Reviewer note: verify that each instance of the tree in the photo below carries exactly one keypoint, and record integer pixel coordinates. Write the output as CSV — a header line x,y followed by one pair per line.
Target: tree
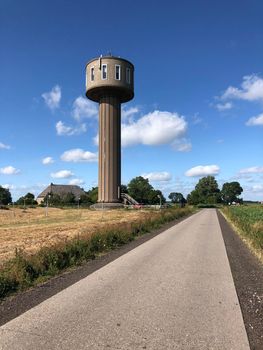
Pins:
x,y
53,199
143,192
230,191
5,196
28,199
155,196
139,188
124,189
68,198
92,195
85,199
193,198
176,197
206,191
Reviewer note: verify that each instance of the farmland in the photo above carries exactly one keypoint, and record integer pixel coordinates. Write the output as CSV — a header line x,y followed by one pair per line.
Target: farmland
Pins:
x,y
31,229
249,222
35,247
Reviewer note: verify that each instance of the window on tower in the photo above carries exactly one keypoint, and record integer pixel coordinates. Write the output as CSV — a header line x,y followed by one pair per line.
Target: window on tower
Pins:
x,y
92,73
128,75
104,72
117,72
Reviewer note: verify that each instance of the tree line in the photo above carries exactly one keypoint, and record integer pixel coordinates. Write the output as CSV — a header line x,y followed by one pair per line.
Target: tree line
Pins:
x,y
206,192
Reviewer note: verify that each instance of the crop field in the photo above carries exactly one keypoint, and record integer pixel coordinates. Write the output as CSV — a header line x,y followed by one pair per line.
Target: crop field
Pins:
x,y
249,221
31,229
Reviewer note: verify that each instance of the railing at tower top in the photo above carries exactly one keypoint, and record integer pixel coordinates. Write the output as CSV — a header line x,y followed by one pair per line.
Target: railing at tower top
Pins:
x,y
128,199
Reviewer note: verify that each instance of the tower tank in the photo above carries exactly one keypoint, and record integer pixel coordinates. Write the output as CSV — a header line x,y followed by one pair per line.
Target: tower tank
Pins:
x,y
110,82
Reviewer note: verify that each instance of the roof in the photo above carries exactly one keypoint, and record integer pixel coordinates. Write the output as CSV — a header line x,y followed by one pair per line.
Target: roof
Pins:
x,y
111,57
62,189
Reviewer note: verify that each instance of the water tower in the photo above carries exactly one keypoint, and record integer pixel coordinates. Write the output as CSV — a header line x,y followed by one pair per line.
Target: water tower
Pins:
x,y
110,82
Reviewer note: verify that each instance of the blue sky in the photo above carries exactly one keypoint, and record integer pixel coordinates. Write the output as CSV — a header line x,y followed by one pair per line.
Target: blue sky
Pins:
x,y
198,105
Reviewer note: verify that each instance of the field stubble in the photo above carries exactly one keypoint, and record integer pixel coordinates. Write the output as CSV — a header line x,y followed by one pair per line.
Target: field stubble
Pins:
x,y
30,229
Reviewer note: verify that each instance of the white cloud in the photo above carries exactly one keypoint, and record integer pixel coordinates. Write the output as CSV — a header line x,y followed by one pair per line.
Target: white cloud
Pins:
x,y
9,170
251,89
182,145
96,140
9,186
158,176
63,130
62,174
77,182
83,108
3,146
155,128
203,170
257,188
165,127
252,170
255,121
254,192
47,160
79,155
224,106
197,119
53,97
129,113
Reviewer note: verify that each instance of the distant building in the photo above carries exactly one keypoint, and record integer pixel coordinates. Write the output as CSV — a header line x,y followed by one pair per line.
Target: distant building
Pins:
x,y
60,190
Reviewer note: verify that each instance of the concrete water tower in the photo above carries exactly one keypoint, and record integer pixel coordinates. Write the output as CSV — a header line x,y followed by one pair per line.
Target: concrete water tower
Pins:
x,y
110,82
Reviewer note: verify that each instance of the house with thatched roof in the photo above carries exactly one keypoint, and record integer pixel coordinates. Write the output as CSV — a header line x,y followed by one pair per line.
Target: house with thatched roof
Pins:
x,y
60,190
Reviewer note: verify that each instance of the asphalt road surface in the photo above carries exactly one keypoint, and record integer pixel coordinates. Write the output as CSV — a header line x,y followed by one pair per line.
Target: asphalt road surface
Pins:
x,y
175,291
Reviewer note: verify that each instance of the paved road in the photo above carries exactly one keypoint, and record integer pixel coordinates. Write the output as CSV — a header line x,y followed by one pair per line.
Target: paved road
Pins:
x,y
173,292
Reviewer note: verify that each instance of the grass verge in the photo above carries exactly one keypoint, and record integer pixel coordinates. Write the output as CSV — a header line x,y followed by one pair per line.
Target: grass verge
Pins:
x,y
25,270
248,222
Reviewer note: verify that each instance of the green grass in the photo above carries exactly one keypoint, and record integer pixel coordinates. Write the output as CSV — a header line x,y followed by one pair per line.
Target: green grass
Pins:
x,y
26,270
249,221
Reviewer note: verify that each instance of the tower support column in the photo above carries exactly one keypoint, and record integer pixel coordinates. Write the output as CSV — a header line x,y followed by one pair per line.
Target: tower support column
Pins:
x,y
109,149
110,82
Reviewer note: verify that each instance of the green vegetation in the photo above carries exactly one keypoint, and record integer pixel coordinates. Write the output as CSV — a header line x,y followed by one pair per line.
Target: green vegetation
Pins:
x,y
28,199
249,221
27,270
230,192
5,196
63,200
178,198
90,197
207,194
143,192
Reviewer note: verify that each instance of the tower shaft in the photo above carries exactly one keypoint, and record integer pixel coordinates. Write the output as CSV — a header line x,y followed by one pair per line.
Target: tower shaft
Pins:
x,y
110,82
109,149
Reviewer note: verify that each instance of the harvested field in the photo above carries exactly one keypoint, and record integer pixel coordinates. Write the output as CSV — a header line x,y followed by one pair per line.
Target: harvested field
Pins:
x,y
31,229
